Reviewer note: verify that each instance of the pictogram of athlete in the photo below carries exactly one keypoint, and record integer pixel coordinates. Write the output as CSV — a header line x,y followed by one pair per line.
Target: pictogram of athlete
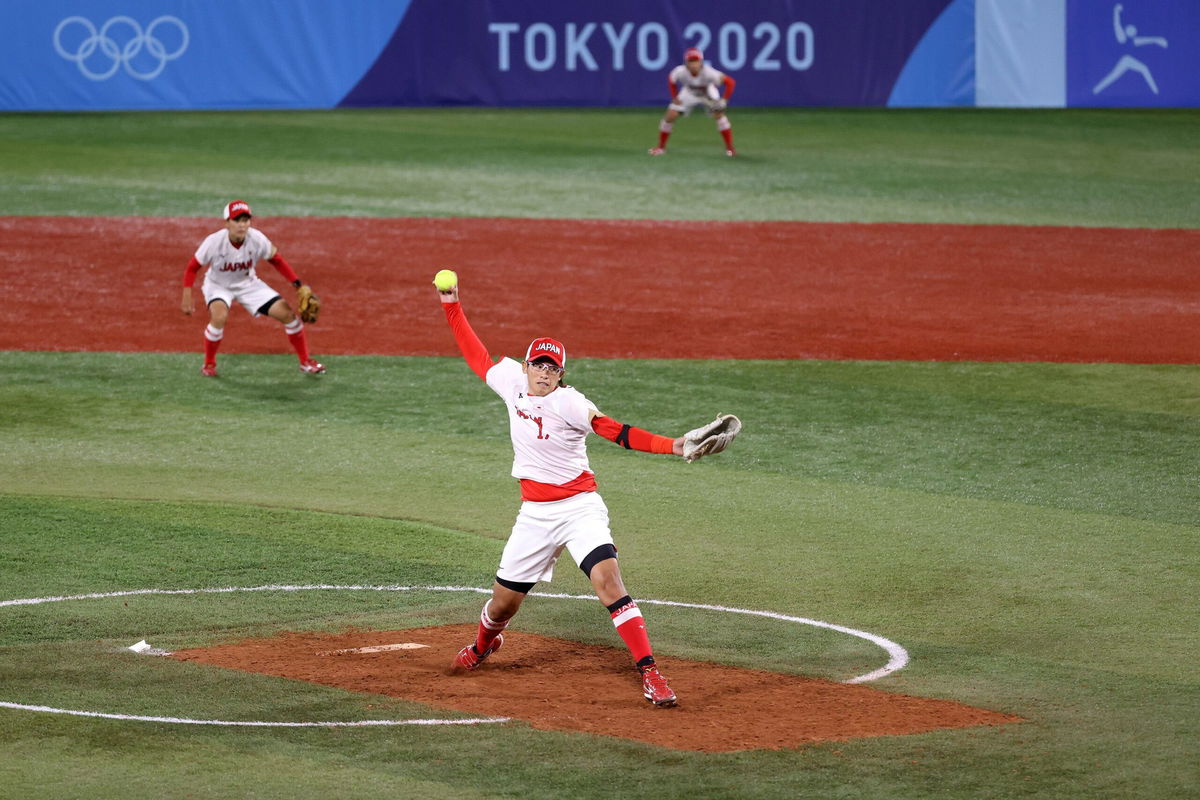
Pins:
x,y
1127,34
694,83
561,508
231,255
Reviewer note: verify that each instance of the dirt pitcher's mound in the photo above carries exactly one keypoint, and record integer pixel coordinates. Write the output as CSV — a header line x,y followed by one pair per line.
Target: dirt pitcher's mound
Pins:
x,y
559,685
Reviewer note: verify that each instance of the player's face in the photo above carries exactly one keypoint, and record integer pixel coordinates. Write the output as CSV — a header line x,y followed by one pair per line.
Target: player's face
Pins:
x,y
237,228
694,66
543,377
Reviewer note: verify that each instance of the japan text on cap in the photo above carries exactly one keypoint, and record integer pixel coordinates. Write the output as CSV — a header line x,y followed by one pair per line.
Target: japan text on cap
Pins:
x,y
236,209
546,347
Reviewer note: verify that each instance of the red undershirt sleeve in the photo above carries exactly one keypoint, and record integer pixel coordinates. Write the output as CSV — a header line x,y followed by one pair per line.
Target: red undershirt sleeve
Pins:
x,y
285,269
472,349
671,86
729,84
189,272
632,438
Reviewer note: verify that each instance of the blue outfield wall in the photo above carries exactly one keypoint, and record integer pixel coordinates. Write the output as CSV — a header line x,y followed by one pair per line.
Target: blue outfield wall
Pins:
x,y
782,52
218,54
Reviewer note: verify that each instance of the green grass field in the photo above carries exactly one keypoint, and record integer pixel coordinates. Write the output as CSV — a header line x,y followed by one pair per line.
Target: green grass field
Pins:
x,y
1107,168
1029,532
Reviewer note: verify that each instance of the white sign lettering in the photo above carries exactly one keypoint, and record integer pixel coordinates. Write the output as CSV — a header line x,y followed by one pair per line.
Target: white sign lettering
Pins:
x,y
736,48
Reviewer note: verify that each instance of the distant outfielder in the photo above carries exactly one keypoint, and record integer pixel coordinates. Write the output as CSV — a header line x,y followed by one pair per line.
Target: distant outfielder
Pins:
x,y
695,83
548,423
230,256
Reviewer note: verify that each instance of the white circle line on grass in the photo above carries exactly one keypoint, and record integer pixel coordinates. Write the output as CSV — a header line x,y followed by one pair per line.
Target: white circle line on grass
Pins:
x,y
362,723
897,655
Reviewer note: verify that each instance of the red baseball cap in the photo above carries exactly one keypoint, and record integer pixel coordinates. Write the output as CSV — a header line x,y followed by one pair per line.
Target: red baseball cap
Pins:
x,y
546,347
693,54
236,208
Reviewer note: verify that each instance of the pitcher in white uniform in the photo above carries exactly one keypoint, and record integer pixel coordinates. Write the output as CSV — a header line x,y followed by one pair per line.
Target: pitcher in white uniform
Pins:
x,y
548,422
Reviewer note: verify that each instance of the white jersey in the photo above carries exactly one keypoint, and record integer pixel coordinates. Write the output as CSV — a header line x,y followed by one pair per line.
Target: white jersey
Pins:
x,y
228,264
702,85
548,432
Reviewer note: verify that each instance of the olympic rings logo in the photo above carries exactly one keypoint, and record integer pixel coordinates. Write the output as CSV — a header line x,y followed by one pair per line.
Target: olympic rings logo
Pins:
x,y
122,55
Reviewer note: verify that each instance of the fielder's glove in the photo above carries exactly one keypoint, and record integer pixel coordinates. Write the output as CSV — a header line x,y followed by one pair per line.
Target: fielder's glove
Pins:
x,y
719,104
711,438
309,305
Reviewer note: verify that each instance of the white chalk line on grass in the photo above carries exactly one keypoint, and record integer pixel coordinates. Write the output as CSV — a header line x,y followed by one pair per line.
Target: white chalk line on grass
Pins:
x,y
897,655
362,723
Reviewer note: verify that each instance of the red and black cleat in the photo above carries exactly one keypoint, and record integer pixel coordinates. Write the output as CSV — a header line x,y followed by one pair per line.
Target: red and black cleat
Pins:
x,y
467,659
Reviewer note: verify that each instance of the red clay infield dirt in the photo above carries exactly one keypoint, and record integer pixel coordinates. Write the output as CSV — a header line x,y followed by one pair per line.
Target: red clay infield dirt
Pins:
x,y
627,288
721,708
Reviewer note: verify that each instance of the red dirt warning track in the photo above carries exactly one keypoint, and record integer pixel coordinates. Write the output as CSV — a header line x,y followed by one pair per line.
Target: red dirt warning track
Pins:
x,y
627,288
553,684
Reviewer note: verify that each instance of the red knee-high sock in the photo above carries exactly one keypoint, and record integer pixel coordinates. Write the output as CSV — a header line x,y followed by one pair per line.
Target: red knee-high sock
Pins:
x,y
212,341
726,129
664,133
295,334
627,618
489,629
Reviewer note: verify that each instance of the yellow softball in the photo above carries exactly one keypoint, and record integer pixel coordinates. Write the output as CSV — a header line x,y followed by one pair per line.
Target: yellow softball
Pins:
x,y
445,280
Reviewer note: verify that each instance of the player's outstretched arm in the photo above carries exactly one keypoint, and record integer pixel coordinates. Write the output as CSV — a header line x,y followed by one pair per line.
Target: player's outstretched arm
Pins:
x,y
632,438
697,443
469,344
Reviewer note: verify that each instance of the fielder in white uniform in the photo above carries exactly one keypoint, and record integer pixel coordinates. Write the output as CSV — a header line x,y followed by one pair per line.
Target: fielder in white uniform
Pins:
x,y
231,255
561,509
694,83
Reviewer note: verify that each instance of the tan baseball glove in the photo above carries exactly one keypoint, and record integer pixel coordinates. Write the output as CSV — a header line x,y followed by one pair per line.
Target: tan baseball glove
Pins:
x,y
308,304
711,438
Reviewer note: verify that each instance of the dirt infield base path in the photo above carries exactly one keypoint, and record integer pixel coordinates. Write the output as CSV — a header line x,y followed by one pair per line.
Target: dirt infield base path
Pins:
x,y
553,684
619,289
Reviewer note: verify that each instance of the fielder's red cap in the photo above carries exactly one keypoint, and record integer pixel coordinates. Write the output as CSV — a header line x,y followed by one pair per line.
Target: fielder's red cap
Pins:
x,y
693,54
546,347
236,208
